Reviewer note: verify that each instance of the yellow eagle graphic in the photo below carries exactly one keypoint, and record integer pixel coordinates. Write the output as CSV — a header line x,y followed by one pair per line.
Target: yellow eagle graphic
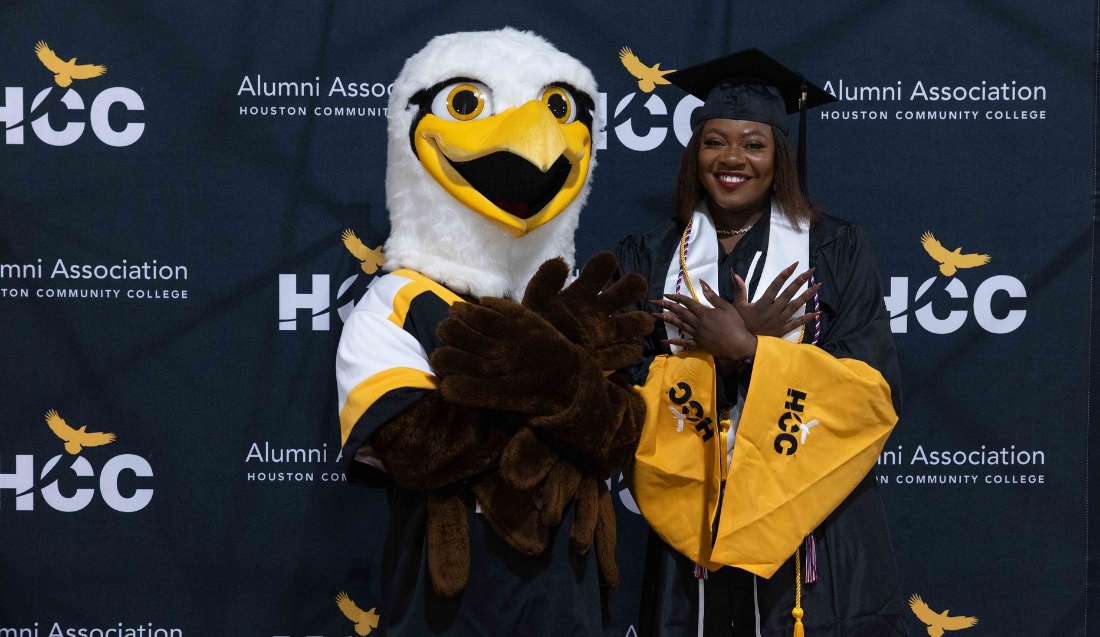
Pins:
x,y
371,259
938,622
648,76
950,261
365,621
66,72
76,438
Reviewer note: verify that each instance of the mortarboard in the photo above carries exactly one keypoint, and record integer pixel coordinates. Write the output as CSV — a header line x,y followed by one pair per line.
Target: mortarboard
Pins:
x,y
749,85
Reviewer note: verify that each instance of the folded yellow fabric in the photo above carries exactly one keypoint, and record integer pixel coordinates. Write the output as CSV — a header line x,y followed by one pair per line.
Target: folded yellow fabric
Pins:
x,y
812,427
675,481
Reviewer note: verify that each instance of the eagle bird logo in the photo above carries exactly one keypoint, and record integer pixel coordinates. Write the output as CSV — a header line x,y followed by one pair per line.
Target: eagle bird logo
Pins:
x,y
75,439
938,622
950,262
679,416
806,429
66,72
648,76
370,259
365,621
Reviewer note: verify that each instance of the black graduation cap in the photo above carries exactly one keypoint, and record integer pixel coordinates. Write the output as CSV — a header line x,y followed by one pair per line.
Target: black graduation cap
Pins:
x,y
749,85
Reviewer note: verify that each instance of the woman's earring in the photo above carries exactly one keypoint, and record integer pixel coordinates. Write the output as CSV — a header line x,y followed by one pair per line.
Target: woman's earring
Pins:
x,y
773,187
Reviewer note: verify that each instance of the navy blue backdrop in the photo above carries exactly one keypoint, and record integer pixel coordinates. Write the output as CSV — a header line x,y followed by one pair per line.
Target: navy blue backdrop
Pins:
x,y
172,273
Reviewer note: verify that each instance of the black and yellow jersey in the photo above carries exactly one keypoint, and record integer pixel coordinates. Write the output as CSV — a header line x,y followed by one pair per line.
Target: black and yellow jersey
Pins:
x,y
382,362
382,368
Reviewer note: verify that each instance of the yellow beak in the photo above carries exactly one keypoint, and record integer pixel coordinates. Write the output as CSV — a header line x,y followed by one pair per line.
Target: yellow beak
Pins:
x,y
541,166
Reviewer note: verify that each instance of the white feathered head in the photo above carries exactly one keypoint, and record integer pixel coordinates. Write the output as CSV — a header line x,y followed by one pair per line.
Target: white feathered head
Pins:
x,y
489,160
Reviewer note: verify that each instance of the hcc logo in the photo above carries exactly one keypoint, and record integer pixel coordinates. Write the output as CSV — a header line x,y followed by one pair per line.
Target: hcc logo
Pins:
x,y
65,73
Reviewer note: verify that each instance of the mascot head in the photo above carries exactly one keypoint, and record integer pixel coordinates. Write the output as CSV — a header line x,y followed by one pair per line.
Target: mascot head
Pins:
x,y
489,161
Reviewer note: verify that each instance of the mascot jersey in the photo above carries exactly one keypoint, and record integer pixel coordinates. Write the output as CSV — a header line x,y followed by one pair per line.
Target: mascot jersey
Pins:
x,y
471,384
805,425
389,340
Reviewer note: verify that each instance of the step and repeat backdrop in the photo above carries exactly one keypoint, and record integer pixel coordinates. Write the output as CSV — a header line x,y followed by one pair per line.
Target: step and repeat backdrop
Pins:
x,y
178,186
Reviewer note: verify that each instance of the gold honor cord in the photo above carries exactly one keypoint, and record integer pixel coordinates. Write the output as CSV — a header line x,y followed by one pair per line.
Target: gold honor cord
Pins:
x,y
724,426
683,260
797,611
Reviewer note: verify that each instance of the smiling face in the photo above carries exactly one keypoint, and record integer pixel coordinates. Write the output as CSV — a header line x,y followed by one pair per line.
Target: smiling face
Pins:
x,y
737,165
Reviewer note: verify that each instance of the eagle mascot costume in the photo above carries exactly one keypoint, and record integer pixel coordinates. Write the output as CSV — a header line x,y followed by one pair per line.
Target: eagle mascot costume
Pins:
x,y
473,381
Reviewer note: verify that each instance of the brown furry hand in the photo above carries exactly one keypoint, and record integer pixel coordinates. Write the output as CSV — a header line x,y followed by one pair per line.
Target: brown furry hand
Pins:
x,y
500,355
591,318
583,430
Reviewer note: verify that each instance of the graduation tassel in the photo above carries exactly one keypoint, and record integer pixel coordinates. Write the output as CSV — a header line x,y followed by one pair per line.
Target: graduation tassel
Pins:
x,y
797,613
802,140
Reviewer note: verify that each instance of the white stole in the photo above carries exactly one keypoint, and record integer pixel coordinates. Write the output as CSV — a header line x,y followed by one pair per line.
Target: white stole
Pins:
x,y
786,245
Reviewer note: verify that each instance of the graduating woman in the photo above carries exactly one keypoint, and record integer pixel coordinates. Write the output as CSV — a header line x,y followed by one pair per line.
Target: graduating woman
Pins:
x,y
764,420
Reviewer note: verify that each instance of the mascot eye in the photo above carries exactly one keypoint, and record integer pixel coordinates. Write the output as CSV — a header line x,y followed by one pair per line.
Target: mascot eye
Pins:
x,y
561,104
462,102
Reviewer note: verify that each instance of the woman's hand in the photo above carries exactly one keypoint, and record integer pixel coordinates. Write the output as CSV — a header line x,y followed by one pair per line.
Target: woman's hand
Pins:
x,y
771,314
719,331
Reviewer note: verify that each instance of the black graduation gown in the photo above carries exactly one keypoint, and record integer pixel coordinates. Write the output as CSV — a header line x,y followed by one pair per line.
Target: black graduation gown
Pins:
x,y
856,593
